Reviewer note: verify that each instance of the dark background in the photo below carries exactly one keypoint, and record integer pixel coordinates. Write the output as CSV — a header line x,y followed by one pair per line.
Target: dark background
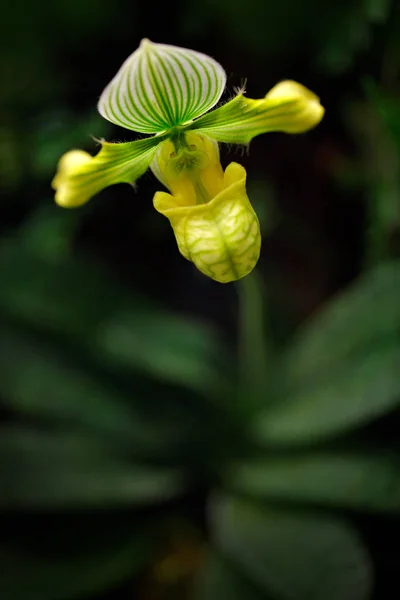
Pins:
x,y
328,201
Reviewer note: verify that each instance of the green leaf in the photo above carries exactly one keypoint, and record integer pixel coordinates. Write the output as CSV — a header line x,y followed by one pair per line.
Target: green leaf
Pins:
x,y
70,556
41,284
163,345
146,418
130,412
219,580
342,369
67,469
352,480
61,296
161,86
293,555
36,380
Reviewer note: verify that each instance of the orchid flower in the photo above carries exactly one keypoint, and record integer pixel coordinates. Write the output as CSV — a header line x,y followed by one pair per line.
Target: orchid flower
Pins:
x,y
167,91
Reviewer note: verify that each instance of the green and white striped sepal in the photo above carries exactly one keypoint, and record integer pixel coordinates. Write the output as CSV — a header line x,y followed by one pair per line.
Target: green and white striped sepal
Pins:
x,y
160,87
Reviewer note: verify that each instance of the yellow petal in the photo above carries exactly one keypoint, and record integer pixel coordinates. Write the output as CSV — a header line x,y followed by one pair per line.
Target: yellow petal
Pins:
x,y
222,237
306,110
288,107
80,175
66,194
203,153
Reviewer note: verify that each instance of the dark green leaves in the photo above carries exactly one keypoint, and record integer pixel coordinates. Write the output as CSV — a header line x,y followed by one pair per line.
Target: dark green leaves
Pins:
x,y
293,555
39,381
66,469
343,369
42,286
163,345
220,579
356,480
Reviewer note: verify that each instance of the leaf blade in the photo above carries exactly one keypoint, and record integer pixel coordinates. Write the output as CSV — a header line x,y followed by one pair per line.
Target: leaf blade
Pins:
x,y
294,555
67,469
341,372
367,481
220,579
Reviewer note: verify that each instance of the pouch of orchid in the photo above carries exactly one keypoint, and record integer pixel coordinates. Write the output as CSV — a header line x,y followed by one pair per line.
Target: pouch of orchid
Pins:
x,y
167,91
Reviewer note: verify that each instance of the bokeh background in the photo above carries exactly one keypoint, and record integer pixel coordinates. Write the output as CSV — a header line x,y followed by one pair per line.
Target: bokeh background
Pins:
x,y
98,303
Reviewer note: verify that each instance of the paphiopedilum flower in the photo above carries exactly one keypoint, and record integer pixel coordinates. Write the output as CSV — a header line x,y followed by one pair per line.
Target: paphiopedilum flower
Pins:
x,y
168,92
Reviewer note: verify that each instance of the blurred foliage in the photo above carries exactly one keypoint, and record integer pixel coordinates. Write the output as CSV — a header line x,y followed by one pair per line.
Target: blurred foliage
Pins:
x,y
165,437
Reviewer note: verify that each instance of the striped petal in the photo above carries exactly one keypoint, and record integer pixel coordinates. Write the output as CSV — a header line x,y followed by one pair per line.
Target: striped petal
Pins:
x,y
160,87
80,175
289,107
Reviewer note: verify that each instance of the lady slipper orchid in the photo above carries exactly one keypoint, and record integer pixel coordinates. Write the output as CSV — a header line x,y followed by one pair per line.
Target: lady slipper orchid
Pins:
x,y
168,92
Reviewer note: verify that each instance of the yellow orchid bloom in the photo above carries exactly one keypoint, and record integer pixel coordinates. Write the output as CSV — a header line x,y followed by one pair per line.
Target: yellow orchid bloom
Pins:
x,y
214,223
168,92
